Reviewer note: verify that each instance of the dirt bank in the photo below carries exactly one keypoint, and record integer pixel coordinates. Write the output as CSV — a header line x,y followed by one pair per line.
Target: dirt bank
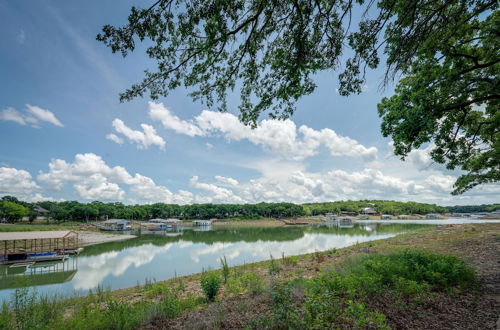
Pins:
x,y
90,238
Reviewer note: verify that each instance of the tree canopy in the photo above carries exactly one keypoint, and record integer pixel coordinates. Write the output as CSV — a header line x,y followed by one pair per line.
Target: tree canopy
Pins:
x,y
445,52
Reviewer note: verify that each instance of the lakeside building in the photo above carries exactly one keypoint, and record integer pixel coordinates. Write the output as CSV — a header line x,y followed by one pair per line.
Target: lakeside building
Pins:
x,y
432,216
386,217
41,213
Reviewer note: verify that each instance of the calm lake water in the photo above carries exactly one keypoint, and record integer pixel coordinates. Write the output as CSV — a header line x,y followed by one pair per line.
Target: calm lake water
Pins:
x,y
161,256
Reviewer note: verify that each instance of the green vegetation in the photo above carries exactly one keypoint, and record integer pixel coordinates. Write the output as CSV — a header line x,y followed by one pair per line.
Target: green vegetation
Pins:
x,y
12,211
210,283
74,212
274,266
344,297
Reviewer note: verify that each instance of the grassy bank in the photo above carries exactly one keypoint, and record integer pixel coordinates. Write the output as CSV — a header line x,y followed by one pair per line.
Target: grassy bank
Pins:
x,y
409,281
44,226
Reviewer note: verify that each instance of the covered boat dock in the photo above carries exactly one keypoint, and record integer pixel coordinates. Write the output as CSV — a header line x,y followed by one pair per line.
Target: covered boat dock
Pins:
x,y
16,247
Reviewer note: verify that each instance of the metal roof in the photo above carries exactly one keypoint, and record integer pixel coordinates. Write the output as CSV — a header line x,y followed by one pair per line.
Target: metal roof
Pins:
x,y
10,236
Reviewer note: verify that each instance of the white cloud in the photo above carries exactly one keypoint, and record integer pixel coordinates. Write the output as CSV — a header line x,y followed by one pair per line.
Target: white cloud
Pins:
x,y
93,179
277,137
226,180
143,139
97,187
32,115
19,183
11,114
157,111
115,138
43,115
216,193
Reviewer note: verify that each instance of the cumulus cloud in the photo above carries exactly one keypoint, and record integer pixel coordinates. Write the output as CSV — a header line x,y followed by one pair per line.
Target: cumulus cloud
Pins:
x,y
97,187
19,183
226,180
93,179
279,137
32,115
216,193
143,139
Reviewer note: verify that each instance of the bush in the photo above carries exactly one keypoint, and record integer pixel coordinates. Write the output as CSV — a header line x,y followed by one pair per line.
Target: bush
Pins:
x,y
210,283
416,268
342,300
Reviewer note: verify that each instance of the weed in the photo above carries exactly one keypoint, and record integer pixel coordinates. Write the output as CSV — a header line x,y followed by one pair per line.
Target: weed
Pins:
x,y
290,260
274,266
210,283
225,268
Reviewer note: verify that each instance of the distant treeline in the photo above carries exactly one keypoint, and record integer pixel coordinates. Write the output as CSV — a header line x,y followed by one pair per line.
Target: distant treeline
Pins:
x,y
474,208
13,209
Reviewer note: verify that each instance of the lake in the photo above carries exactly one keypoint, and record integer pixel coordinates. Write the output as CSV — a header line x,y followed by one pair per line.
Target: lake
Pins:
x,y
161,256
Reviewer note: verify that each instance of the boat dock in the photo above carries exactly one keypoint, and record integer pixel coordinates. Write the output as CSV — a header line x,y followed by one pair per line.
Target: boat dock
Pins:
x,y
39,246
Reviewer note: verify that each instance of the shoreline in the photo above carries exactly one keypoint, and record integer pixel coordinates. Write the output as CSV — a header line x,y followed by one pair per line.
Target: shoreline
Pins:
x,y
236,304
426,239
88,238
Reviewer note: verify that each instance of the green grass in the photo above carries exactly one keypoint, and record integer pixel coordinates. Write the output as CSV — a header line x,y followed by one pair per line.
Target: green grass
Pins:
x,y
341,297
38,226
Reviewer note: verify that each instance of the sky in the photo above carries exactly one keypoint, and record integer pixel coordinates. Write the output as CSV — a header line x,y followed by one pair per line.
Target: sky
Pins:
x,y
65,135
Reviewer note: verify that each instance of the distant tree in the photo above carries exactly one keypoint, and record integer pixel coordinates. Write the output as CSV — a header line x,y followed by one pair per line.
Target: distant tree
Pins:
x,y
446,51
12,211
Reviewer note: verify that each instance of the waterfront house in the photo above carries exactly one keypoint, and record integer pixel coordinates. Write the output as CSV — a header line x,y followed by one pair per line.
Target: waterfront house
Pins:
x,y
41,213
386,217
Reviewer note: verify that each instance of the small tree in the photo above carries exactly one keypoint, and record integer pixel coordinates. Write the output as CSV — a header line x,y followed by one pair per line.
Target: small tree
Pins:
x,y
12,211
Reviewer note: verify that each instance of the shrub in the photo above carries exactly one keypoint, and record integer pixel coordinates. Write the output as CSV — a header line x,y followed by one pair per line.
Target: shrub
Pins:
x,y
210,283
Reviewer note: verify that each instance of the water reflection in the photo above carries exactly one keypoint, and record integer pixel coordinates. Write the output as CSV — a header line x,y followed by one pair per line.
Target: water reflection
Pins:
x,y
181,252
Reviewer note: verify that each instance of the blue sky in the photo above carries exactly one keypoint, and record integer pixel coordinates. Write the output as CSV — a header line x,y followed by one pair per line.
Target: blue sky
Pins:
x,y
65,136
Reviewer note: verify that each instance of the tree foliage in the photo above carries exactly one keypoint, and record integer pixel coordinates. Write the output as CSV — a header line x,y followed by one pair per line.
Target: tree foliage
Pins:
x,y
12,211
76,211
445,50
